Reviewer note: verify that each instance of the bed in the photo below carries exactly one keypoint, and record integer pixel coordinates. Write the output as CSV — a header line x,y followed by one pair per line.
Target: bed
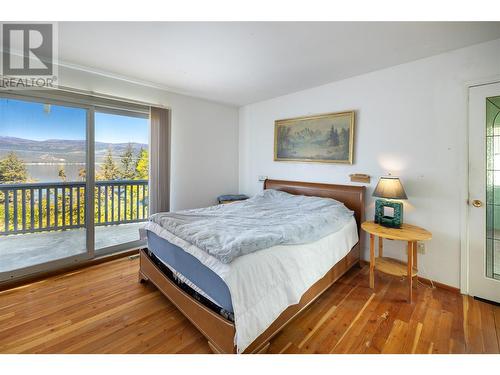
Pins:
x,y
172,268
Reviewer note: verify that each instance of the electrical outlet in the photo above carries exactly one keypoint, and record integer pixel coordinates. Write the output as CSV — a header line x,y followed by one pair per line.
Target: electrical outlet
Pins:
x,y
421,247
262,178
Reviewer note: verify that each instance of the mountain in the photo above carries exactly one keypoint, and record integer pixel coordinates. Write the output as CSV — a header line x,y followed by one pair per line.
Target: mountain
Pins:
x,y
60,150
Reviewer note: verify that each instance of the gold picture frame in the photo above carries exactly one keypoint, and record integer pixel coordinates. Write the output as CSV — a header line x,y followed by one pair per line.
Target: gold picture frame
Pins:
x,y
322,138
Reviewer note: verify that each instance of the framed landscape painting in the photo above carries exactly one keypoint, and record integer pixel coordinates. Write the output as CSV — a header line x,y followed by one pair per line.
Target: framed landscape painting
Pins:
x,y
326,138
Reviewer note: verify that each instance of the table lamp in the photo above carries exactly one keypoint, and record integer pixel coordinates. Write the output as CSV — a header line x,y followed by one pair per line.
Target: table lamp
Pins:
x,y
387,212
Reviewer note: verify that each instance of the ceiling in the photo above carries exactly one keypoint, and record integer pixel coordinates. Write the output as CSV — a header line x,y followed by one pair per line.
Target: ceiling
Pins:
x,y
244,62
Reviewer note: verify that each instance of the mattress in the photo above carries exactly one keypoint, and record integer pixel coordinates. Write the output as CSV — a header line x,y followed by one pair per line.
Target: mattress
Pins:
x,y
191,270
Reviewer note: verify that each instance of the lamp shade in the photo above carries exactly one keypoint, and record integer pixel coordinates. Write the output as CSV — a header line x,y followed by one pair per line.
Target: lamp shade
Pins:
x,y
390,188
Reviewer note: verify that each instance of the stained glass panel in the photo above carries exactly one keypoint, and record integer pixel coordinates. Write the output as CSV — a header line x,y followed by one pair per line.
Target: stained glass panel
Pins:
x,y
493,187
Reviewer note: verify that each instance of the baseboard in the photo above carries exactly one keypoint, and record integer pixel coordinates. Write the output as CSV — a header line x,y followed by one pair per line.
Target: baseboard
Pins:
x,y
11,284
429,282
437,284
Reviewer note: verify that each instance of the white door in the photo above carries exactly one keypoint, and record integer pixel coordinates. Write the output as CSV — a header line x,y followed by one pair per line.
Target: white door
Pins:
x,y
484,192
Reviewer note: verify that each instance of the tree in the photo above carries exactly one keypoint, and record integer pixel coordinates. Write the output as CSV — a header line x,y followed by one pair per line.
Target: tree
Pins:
x,y
127,170
283,138
12,169
108,170
82,173
62,174
344,136
334,137
142,165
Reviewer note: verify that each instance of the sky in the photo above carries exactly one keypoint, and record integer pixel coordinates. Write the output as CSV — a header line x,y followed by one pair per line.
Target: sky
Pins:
x,y
40,122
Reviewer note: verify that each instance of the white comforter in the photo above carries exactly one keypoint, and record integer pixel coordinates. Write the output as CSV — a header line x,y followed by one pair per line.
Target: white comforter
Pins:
x,y
264,283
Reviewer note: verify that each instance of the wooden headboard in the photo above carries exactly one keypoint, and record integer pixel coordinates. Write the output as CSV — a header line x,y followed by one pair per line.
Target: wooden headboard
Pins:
x,y
353,197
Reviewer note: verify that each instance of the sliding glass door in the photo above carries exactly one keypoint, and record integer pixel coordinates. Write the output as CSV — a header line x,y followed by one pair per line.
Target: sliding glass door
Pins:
x,y
73,182
43,151
122,175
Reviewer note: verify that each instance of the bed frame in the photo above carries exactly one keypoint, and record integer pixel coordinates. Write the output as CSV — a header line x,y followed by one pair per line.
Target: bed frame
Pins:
x,y
219,331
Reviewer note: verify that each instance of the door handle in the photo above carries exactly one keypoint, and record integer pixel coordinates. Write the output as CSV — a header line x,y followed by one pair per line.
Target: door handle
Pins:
x,y
477,203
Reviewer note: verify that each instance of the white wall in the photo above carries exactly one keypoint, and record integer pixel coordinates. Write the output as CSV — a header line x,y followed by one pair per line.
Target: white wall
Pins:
x,y
410,121
204,137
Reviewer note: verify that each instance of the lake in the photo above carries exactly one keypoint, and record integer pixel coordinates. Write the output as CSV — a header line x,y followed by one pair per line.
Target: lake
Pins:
x,y
50,172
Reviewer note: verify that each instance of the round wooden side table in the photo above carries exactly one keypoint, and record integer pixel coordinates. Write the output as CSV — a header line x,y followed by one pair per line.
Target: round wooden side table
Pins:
x,y
391,266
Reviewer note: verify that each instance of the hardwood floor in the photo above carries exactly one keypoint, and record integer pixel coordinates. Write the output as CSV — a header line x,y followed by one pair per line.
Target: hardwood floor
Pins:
x,y
103,309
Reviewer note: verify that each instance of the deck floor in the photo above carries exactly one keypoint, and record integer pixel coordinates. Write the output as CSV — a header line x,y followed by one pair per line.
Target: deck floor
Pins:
x,y
103,309
24,250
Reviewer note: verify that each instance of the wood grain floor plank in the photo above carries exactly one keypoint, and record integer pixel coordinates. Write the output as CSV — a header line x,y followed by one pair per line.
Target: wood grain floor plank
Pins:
x,y
333,329
307,324
496,313
19,346
457,338
415,323
362,336
429,329
474,330
442,341
96,338
490,342
389,312
359,333
396,338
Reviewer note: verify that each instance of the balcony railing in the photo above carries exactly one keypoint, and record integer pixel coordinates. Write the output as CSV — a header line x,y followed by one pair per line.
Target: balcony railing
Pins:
x,y
38,207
